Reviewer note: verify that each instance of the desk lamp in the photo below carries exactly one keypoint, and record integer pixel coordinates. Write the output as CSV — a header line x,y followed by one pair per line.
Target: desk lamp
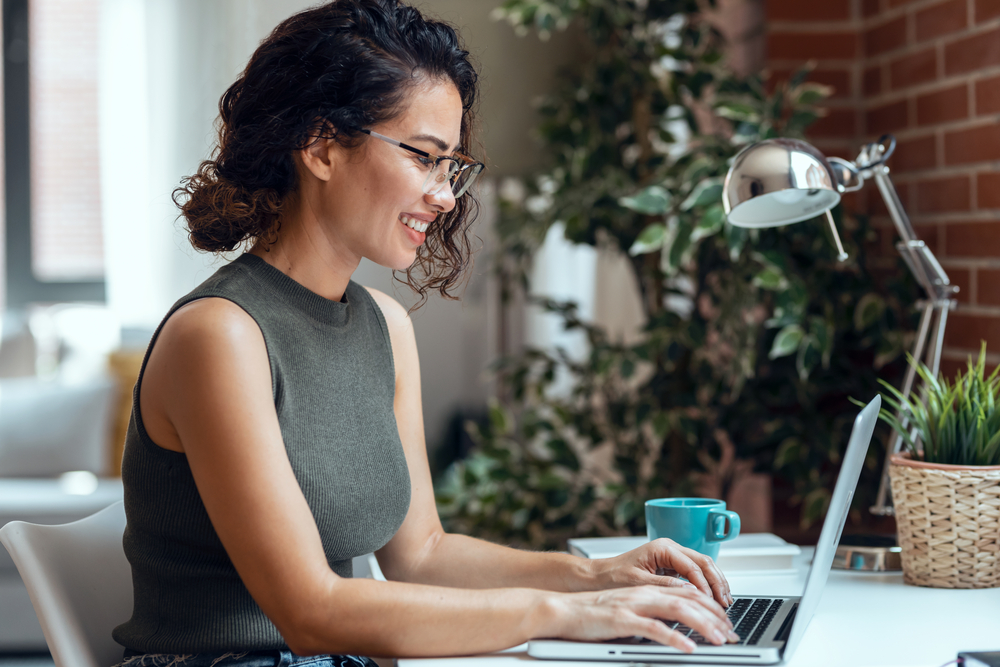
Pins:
x,y
782,181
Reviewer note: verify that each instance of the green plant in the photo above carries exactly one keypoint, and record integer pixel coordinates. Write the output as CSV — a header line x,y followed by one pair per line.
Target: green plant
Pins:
x,y
753,340
957,422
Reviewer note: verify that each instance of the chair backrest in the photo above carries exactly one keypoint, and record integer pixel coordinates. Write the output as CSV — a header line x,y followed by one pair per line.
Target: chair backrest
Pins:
x,y
79,581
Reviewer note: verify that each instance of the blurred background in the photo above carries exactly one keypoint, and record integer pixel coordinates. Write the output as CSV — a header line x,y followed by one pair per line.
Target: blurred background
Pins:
x,y
614,341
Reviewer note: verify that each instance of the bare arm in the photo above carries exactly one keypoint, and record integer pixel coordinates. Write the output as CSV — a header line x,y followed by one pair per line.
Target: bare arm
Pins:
x,y
422,552
207,392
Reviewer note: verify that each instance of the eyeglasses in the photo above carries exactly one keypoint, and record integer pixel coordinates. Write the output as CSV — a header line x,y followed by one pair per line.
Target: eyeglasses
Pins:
x,y
457,170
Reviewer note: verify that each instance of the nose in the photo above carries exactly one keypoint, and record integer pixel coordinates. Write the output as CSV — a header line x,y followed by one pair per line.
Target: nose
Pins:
x,y
444,199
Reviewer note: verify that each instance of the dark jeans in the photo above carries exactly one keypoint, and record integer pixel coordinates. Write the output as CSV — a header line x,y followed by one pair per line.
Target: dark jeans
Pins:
x,y
275,658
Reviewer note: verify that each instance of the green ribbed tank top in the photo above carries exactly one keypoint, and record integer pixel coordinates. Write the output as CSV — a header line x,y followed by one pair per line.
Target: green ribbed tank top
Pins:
x,y
333,383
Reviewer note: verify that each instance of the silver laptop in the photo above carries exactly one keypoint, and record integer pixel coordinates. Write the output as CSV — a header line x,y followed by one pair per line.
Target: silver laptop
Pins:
x,y
770,627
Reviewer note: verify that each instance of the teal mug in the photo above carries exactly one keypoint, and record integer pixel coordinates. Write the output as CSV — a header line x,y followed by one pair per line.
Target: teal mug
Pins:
x,y
695,523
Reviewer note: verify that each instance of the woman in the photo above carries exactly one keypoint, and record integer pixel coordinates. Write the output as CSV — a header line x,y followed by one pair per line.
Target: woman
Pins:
x,y
277,428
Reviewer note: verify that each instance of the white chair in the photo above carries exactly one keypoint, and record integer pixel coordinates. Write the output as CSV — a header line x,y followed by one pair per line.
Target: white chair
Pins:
x,y
79,582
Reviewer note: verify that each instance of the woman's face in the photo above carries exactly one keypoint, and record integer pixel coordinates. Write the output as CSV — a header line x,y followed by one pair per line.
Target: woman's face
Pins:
x,y
372,189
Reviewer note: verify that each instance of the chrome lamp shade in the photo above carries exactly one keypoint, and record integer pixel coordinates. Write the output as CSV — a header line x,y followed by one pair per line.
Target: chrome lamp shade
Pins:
x,y
777,182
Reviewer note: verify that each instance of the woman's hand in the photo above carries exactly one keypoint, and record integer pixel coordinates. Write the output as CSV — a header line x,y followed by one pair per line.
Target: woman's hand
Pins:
x,y
637,611
647,564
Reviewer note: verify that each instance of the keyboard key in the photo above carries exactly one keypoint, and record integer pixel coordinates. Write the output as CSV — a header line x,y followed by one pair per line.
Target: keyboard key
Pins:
x,y
764,622
746,625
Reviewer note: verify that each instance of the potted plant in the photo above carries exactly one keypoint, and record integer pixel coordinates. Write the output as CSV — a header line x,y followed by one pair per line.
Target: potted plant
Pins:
x,y
946,488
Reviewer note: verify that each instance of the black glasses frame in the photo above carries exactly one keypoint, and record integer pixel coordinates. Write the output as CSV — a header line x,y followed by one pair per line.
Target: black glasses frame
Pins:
x,y
461,164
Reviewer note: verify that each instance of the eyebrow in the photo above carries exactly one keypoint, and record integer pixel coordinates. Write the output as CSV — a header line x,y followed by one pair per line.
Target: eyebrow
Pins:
x,y
442,146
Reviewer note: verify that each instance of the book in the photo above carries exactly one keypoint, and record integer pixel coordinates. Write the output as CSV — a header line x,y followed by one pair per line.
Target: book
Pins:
x,y
746,553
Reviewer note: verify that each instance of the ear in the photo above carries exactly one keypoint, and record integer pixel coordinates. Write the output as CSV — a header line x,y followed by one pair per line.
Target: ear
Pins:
x,y
323,155
320,157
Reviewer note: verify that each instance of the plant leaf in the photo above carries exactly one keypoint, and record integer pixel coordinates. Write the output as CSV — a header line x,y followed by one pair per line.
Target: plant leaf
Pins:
x,y
650,239
786,342
706,193
654,200
868,311
770,279
710,224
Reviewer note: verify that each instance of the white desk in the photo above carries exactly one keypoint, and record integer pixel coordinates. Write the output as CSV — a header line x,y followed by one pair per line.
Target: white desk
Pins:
x,y
863,620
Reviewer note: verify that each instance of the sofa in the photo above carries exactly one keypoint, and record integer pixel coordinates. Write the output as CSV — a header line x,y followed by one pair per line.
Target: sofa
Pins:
x,y
57,410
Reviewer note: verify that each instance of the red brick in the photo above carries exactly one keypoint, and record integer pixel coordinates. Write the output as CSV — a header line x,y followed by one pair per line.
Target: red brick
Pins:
x,y
836,123
943,106
838,79
914,154
977,144
973,239
928,234
961,278
968,331
988,190
872,81
913,69
988,287
987,9
950,366
887,118
943,194
942,19
797,10
988,95
836,146
869,8
885,37
812,45
972,53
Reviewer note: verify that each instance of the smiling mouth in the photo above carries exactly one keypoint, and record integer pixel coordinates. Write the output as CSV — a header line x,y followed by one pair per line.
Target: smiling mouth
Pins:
x,y
414,224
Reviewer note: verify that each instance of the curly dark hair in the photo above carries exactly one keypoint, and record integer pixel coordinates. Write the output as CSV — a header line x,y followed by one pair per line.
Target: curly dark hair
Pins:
x,y
345,65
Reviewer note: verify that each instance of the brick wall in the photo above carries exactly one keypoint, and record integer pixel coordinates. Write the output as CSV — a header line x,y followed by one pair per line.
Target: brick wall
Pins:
x,y
927,71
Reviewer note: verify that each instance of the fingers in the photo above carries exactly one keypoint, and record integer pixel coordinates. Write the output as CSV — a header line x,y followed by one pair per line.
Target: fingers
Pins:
x,y
670,579
700,613
690,608
701,571
660,632
638,611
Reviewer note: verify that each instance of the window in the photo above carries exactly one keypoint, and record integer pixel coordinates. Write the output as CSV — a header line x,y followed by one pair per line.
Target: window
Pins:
x,y
54,248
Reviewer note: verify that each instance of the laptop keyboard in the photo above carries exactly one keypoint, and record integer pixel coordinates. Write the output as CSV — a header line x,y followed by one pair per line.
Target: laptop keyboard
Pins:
x,y
750,616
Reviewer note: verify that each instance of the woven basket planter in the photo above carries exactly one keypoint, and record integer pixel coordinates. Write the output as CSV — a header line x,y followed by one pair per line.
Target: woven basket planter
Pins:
x,y
948,519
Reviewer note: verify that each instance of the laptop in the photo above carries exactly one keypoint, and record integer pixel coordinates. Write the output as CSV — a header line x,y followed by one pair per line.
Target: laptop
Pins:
x,y
770,627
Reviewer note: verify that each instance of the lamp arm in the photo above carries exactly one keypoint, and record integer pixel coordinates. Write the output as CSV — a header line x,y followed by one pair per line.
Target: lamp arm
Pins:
x,y
919,258
932,277
882,506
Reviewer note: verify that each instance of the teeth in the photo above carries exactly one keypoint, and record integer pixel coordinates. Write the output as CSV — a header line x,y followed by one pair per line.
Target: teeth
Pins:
x,y
414,224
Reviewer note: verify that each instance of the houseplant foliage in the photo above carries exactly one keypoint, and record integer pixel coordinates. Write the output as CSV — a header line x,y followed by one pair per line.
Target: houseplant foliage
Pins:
x,y
953,422
741,365
946,488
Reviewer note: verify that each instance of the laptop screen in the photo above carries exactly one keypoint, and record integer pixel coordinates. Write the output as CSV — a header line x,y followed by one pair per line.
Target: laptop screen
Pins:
x,y
836,516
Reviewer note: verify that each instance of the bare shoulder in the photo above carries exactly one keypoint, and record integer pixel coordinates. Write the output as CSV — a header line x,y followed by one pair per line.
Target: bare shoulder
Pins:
x,y
396,317
211,322
404,343
210,353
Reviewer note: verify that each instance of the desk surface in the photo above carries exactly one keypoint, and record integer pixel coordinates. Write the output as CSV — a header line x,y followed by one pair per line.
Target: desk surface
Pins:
x,y
864,620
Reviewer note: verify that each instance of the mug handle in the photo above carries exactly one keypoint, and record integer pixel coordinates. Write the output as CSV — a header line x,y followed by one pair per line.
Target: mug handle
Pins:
x,y
717,525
